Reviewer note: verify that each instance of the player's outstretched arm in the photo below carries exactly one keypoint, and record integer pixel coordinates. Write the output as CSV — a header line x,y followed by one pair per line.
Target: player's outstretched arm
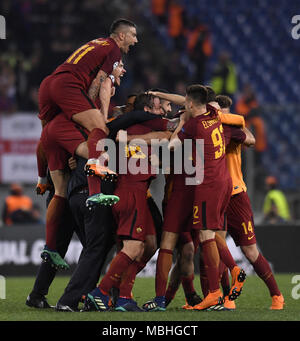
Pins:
x,y
250,139
151,137
174,98
175,142
232,119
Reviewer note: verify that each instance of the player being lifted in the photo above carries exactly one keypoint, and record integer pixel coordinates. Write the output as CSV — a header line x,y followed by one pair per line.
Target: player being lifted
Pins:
x,y
65,92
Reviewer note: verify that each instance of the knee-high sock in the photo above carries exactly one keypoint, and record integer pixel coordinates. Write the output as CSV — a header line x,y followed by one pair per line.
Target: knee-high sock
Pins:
x,y
224,252
143,262
188,284
54,216
128,279
263,270
211,261
174,283
42,163
224,278
203,276
117,267
163,266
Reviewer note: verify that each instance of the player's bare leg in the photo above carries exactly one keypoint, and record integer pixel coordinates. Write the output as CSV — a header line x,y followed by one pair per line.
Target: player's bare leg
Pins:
x,y
55,211
149,251
186,259
174,282
183,272
264,271
93,121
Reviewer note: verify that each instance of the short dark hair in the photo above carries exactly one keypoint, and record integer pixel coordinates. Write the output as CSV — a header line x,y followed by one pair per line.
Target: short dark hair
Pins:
x,y
224,101
120,22
160,90
211,94
133,94
143,100
197,93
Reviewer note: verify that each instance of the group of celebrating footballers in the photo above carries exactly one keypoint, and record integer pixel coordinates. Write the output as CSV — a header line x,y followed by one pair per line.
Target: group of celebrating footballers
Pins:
x,y
197,212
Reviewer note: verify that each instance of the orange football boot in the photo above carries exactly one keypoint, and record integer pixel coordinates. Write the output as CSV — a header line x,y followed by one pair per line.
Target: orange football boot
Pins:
x,y
277,302
230,305
212,299
187,306
93,168
238,277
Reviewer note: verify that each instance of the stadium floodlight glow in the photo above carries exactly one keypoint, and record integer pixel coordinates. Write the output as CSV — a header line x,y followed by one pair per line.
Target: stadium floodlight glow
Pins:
x,y
2,27
296,29
2,288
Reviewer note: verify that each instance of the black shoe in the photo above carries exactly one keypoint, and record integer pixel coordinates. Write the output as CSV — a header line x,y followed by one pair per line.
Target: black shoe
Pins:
x,y
37,302
193,299
65,308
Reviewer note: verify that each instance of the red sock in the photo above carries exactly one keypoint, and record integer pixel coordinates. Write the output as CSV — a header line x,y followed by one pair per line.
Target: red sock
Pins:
x,y
224,278
203,277
55,212
224,252
94,182
263,270
211,261
112,278
140,266
42,163
171,292
128,279
143,262
188,284
163,266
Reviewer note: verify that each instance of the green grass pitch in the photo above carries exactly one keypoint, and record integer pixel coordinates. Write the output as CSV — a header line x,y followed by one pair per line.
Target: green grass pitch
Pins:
x,y
252,305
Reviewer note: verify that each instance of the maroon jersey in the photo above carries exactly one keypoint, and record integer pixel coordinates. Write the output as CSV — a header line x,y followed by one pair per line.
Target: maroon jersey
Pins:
x,y
212,161
86,61
157,124
136,154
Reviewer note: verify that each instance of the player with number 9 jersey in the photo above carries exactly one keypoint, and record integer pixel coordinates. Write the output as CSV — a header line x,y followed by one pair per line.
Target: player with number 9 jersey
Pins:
x,y
213,187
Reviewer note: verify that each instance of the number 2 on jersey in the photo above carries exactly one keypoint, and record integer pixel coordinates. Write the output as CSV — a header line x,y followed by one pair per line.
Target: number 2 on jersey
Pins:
x,y
218,141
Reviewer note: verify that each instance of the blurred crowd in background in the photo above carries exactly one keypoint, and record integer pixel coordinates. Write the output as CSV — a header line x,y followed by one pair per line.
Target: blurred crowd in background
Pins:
x,y
41,34
175,48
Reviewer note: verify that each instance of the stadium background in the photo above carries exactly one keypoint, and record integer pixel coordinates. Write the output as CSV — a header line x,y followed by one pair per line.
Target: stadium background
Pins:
x,y
180,42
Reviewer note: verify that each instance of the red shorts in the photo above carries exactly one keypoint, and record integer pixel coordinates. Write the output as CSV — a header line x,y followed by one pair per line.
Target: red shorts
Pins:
x,y
60,139
132,213
179,211
210,204
62,92
240,223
